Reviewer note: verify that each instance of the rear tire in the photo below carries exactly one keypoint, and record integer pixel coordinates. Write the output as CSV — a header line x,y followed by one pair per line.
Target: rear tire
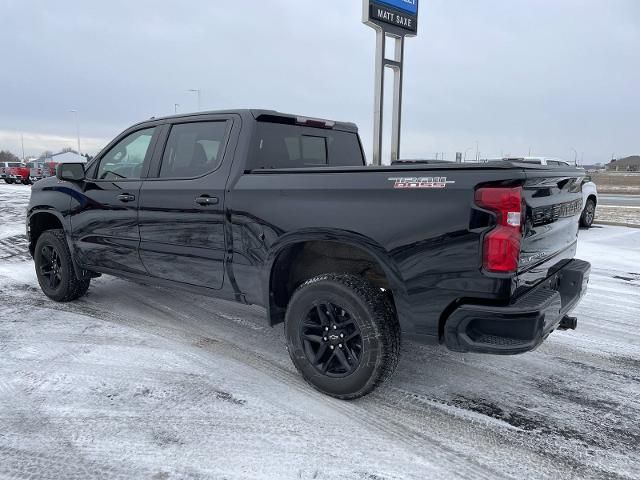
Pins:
x,y
54,268
9,180
588,214
342,334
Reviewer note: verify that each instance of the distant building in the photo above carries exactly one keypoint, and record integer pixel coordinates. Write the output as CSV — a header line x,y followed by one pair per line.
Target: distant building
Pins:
x,y
627,164
65,157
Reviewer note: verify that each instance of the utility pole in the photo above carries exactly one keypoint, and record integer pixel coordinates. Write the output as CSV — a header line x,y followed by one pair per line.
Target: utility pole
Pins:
x,y
175,107
22,140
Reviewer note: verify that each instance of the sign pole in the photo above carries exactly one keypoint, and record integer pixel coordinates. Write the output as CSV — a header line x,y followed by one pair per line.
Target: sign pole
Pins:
x,y
396,120
378,107
396,19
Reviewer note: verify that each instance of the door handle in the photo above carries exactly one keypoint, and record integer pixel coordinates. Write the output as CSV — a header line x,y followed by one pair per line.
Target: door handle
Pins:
x,y
126,197
207,200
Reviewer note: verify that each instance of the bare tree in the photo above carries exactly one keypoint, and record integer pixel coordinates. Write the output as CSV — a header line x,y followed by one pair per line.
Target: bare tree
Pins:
x,y
7,156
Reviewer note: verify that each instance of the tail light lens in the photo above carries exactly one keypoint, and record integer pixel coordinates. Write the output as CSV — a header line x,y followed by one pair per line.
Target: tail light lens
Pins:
x,y
501,248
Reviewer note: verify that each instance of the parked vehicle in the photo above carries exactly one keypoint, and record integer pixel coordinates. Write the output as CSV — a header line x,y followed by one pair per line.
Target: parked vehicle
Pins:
x,y
589,189
36,171
590,201
278,210
8,171
17,173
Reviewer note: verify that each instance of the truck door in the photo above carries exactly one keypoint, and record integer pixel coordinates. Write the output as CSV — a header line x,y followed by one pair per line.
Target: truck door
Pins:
x,y
104,212
182,216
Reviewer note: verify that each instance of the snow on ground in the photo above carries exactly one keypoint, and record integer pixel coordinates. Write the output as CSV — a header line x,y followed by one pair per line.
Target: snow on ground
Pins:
x,y
142,382
13,206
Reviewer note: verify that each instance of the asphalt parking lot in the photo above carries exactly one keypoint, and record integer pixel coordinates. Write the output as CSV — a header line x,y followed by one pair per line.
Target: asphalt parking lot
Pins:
x,y
621,200
135,381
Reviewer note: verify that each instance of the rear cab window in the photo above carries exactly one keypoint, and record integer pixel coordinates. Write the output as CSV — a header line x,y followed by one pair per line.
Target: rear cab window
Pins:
x,y
280,145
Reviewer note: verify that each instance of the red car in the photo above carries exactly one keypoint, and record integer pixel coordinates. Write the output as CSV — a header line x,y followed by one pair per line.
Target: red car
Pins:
x,y
4,170
14,172
19,173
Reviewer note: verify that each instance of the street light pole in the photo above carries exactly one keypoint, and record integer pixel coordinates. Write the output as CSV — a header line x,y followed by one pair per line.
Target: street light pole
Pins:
x,y
196,90
22,140
575,156
465,153
175,107
77,127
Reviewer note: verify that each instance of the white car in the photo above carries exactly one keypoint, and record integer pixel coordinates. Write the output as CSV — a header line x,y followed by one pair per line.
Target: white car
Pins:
x,y
589,190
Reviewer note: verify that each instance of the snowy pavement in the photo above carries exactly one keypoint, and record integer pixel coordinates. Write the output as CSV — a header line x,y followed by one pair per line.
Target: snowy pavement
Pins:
x,y
135,381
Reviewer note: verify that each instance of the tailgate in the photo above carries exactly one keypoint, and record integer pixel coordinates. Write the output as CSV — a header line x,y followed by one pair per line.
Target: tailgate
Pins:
x,y
553,207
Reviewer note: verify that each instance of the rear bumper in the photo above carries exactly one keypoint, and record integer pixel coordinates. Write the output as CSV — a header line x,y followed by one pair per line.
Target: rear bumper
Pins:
x,y
522,325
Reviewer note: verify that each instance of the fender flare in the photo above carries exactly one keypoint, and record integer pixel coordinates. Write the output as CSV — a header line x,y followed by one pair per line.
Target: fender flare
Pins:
x,y
356,240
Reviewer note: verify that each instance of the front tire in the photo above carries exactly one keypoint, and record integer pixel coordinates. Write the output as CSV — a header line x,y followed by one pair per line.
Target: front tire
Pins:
x,y
54,268
342,334
588,214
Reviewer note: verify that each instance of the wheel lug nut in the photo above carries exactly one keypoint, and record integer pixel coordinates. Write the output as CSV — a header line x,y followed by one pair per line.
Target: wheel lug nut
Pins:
x,y
335,328
325,339
332,347
339,345
342,335
326,329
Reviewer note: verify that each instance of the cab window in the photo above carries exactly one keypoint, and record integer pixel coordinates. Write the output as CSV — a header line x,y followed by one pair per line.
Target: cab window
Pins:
x,y
126,159
277,145
193,149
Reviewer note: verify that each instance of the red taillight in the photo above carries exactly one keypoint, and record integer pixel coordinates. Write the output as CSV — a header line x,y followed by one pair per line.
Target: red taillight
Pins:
x,y
501,249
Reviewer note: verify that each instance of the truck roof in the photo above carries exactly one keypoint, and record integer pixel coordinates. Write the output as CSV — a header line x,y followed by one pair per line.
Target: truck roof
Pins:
x,y
265,115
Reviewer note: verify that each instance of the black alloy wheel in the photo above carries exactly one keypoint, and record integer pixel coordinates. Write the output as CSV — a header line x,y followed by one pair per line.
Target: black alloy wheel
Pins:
x,y
332,340
50,266
342,334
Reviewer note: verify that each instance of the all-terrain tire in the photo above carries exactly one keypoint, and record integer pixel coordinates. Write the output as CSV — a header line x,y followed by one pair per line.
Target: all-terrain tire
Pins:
x,y
67,286
369,309
588,214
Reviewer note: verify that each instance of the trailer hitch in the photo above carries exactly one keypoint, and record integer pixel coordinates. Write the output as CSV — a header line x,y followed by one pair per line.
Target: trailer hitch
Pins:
x,y
568,323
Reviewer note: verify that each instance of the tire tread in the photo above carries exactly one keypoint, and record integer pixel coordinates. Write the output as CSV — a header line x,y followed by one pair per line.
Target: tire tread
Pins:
x,y
75,287
384,322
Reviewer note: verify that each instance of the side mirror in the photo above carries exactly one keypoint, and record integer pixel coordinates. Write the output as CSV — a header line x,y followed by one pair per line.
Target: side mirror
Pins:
x,y
72,172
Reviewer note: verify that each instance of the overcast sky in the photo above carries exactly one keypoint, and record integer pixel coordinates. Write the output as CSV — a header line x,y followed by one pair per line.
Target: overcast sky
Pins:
x,y
512,75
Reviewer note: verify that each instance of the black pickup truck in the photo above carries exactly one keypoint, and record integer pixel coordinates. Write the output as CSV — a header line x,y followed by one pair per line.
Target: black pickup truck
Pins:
x,y
266,208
